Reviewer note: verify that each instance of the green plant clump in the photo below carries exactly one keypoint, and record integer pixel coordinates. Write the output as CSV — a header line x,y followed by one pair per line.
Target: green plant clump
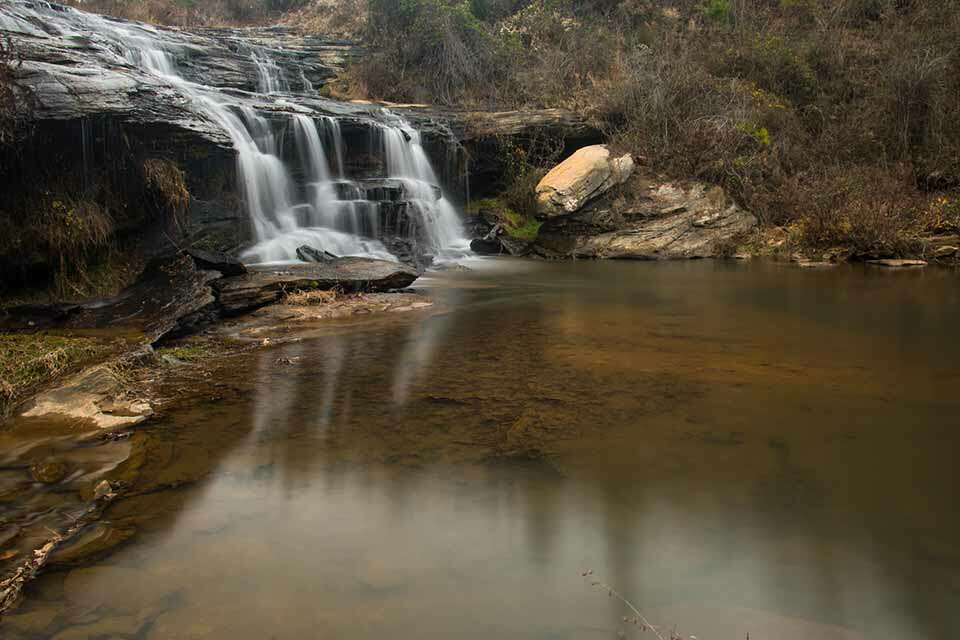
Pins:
x,y
515,225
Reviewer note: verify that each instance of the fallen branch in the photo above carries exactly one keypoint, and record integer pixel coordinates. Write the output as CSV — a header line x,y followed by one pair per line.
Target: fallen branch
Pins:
x,y
11,587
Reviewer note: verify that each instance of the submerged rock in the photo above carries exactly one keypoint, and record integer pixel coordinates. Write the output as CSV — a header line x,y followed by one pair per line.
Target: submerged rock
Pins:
x,y
586,174
121,626
897,263
96,539
650,219
49,472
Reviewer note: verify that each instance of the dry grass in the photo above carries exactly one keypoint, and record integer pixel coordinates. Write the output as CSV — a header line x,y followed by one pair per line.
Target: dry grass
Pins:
x,y
30,361
339,18
310,298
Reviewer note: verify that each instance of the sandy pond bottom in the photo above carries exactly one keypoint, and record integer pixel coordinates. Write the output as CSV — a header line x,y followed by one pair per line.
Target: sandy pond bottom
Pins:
x,y
735,448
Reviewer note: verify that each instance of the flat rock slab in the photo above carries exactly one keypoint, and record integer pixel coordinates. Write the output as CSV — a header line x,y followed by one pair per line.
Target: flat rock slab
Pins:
x,y
898,264
95,395
266,285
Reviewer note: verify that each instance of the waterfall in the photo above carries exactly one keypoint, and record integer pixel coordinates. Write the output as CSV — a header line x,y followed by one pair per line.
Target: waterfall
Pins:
x,y
307,85
408,162
300,194
270,78
333,130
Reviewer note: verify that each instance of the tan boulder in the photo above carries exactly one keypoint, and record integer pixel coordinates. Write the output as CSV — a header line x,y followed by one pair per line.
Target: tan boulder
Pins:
x,y
583,176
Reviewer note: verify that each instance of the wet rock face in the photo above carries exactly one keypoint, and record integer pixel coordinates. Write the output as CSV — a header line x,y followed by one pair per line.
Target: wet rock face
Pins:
x,y
100,93
648,219
74,68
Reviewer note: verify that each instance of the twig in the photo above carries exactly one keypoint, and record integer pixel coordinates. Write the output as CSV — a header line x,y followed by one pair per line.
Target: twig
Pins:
x,y
613,592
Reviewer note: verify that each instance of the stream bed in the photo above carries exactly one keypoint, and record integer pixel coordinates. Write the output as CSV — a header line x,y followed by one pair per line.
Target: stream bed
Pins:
x,y
736,448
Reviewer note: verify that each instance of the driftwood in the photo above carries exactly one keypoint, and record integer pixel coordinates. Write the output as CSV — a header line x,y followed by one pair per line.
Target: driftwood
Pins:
x,y
11,587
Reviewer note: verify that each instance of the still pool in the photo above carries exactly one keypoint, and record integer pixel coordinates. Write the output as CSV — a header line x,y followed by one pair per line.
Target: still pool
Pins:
x,y
735,448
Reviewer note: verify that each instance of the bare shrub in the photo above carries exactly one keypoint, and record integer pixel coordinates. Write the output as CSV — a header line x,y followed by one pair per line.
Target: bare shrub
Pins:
x,y
344,18
873,211
427,50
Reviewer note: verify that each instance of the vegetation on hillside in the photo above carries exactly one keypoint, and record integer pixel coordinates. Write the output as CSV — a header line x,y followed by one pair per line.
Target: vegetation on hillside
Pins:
x,y
187,13
839,119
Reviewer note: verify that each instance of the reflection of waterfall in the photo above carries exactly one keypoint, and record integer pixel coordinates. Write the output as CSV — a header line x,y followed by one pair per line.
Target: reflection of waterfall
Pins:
x,y
275,149
418,352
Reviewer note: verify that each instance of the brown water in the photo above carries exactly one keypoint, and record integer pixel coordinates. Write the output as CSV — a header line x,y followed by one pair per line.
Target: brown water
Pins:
x,y
736,448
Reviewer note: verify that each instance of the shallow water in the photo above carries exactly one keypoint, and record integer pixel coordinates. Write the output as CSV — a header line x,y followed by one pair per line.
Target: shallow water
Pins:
x,y
736,448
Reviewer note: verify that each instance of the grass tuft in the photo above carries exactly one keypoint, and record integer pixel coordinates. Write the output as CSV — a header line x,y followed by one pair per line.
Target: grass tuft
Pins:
x,y
309,298
29,361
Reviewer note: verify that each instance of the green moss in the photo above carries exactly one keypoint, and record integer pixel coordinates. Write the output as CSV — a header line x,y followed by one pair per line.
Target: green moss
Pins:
x,y
515,224
186,352
29,361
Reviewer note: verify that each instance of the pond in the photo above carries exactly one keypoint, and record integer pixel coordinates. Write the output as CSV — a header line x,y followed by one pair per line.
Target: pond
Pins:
x,y
735,448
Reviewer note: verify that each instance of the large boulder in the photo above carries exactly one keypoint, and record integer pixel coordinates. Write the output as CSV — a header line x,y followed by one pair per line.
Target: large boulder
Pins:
x,y
650,219
583,176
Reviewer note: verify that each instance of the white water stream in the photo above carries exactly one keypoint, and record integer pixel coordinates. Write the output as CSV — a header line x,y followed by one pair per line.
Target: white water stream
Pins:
x,y
329,212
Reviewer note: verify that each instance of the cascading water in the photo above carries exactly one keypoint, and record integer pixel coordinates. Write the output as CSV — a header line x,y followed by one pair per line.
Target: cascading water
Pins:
x,y
408,162
325,210
270,78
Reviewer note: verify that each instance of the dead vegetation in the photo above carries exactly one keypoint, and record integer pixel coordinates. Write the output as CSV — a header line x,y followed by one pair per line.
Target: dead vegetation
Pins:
x,y
166,189
337,18
29,361
299,298
841,118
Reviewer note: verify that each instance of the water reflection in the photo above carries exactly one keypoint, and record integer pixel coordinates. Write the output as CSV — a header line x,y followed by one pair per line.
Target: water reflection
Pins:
x,y
730,463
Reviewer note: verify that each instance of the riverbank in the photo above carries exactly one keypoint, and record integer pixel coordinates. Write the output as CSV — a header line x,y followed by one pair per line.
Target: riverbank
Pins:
x,y
80,441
